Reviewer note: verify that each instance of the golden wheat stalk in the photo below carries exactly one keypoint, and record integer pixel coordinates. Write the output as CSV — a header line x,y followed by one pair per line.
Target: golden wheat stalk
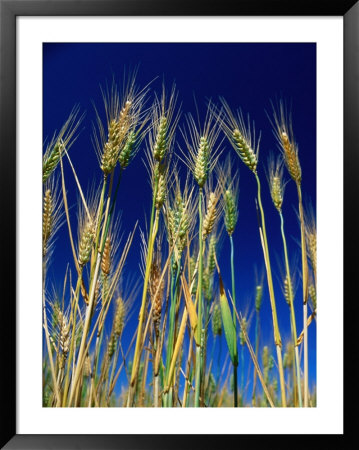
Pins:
x,y
283,130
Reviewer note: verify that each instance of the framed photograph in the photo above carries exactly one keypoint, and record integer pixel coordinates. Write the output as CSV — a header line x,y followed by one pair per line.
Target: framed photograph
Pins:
x,y
179,288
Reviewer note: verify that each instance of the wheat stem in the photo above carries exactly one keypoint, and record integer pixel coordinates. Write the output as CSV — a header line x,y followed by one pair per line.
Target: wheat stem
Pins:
x,y
305,292
99,217
182,329
277,338
294,326
68,215
72,345
256,353
199,326
152,236
235,367
85,330
170,344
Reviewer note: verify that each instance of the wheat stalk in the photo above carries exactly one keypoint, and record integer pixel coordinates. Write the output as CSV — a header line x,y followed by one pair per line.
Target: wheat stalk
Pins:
x,y
283,130
248,150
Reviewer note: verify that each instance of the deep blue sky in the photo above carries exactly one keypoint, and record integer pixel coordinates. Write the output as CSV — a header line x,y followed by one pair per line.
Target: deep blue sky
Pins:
x,y
248,76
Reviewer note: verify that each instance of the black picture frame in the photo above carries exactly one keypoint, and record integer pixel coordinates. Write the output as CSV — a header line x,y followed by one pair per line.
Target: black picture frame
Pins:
x,y
9,10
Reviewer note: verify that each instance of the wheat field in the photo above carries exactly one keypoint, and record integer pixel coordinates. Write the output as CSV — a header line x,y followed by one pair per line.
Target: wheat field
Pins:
x,y
182,331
